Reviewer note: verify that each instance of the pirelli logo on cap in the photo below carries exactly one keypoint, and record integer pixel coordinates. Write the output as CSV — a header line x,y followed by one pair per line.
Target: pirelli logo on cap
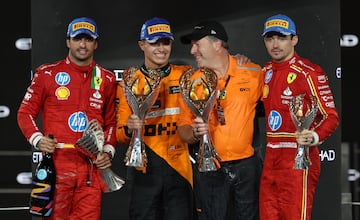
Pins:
x,y
83,25
277,23
159,28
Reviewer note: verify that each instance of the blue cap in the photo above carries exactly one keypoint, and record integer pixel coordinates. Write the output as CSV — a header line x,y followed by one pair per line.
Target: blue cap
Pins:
x,y
82,25
156,29
281,24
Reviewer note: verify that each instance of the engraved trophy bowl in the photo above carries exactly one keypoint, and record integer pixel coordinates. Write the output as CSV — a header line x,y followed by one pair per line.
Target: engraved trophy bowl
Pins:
x,y
302,121
141,92
199,90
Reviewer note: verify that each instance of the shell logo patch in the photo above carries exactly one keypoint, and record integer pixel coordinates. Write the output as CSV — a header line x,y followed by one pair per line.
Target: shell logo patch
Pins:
x,y
291,77
266,91
62,93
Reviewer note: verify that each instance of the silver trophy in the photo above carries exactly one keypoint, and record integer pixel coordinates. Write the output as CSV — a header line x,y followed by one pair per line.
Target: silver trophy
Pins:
x,y
90,144
199,90
302,121
141,93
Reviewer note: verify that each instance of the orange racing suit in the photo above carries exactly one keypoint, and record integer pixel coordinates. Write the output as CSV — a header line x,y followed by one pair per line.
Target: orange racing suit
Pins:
x,y
167,180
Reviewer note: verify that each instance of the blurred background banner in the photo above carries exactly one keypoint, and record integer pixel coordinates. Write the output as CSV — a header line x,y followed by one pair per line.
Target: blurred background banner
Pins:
x,y
328,36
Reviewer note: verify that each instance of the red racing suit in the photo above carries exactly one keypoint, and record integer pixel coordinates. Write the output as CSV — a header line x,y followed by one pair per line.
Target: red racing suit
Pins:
x,y
68,97
286,193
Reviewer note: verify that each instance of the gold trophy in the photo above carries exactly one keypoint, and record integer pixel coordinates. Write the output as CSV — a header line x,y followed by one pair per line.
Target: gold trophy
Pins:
x,y
301,121
141,92
199,90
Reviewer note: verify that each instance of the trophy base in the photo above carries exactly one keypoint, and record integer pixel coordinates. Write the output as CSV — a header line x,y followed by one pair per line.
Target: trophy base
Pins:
x,y
300,165
302,160
113,181
137,158
134,164
208,164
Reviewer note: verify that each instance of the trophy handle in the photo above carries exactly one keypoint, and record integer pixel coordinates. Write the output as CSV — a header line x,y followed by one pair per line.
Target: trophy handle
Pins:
x,y
136,154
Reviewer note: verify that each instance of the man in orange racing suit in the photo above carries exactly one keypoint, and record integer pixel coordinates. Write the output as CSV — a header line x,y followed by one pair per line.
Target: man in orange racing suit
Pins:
x,y
163,189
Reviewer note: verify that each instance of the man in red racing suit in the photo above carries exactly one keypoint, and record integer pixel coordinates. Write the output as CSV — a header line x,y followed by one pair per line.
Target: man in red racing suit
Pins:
x,y
285,192
69,93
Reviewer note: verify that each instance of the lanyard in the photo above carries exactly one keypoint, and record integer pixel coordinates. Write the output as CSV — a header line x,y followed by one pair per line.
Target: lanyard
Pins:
x,y
222,92
220,109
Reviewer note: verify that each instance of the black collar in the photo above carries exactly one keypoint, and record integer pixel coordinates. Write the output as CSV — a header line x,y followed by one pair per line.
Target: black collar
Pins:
x,y
163,71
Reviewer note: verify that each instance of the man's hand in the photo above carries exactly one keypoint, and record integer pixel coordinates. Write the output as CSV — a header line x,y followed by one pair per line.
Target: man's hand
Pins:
x,y
47,144
200,127
242,59
305,137
134,122
103,160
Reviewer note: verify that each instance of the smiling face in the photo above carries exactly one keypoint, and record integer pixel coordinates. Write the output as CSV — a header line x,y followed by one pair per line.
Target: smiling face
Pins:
x,y
157,54
204,51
